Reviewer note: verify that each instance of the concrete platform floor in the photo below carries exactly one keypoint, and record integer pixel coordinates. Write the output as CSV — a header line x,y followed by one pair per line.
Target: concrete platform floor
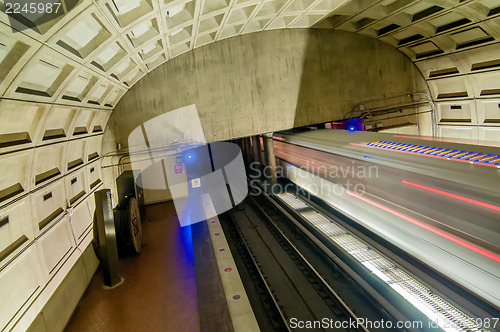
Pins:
x,y
159,291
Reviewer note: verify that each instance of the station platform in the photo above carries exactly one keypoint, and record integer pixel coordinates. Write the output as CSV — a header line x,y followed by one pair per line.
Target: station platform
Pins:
x,y
175,283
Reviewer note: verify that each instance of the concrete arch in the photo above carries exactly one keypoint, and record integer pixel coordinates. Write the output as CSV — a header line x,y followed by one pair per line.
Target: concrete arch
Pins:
x,y
268,81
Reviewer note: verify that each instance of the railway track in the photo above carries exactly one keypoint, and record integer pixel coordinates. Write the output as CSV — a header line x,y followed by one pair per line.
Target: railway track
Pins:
x,y
291,292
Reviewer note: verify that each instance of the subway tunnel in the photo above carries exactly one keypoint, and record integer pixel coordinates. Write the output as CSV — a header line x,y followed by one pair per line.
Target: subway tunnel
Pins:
x,y
246,165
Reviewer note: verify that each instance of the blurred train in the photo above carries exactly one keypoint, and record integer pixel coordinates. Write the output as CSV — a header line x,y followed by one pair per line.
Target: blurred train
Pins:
x,y
437,200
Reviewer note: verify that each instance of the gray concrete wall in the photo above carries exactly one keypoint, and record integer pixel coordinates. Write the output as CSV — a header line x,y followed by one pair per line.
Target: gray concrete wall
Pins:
x,y
268,81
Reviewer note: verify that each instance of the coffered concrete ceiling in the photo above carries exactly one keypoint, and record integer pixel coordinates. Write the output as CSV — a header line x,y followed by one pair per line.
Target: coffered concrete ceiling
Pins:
x,y
86,60
454,43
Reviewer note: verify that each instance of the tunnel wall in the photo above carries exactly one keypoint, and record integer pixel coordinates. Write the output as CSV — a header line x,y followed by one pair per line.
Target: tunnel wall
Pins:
x,y
50,166
50,145
54,107
268,81
456,46
467,102
55,103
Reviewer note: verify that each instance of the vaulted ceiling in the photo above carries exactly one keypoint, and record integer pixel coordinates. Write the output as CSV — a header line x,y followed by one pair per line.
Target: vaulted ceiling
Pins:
x,y
88,58
454,43
60,80
93,54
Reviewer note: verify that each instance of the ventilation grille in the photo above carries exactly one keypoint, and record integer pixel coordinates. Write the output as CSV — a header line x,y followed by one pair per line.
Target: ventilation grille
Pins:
x,y
49,218
95,183
387,29
13,246
76,197
443,72
10,192
410,39
460,94
9,140
80,131
494,11
486,65
45,176
363,22
293,201
426,12
471,37
425,50
53,134
452,25
75,163
475,42
489,92
70,98
33,92
93,156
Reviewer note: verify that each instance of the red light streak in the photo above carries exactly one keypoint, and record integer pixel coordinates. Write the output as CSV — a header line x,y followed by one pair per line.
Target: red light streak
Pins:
x,y
462,198
429,228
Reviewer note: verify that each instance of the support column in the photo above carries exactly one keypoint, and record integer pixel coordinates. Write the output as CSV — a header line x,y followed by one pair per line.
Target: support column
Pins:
x,y
241,143
248,149
269,155
256,149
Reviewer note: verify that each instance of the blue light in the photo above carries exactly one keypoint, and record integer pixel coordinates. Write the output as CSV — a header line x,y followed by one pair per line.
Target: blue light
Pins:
x,y
354,124
189,157
187,239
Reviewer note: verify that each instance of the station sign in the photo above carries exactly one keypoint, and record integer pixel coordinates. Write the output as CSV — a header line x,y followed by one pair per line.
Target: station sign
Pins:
x,y
178,168
195,183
